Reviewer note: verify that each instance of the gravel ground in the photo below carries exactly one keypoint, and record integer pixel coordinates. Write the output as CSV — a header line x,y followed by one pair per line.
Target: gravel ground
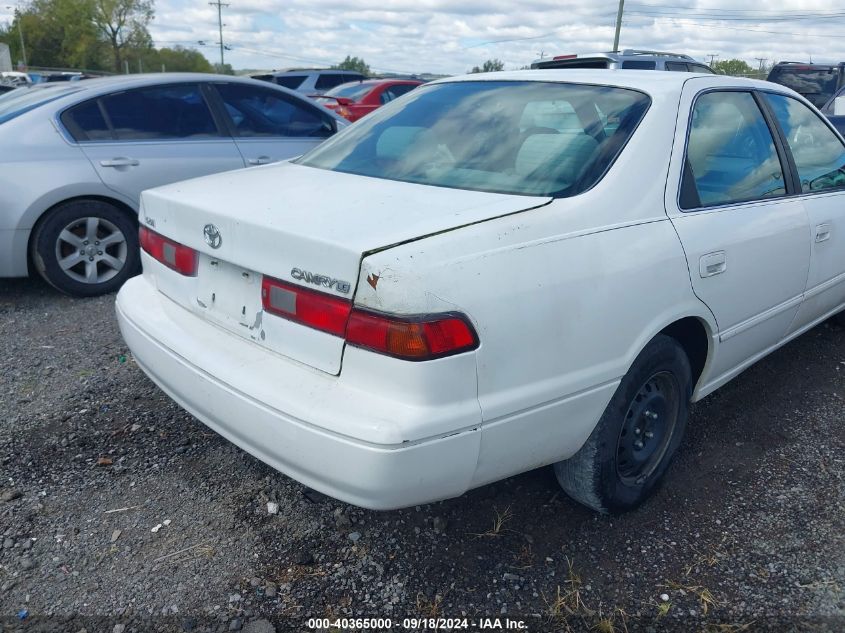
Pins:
x,y
120,512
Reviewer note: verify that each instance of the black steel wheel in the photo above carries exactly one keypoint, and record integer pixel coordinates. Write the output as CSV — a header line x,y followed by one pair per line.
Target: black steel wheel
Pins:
x,y
628,452
647,428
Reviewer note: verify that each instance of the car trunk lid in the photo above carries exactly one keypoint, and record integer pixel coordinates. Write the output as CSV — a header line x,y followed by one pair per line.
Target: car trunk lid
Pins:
x,y
302,225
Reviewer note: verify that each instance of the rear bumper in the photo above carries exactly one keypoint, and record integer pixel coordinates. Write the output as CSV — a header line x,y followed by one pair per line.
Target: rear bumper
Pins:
x,y
189,358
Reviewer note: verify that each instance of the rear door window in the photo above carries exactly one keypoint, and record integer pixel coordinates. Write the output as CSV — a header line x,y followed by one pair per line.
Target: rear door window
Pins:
x,y
392,92
677,66
818,153
699,68
257,112
175,111
639,64
731,155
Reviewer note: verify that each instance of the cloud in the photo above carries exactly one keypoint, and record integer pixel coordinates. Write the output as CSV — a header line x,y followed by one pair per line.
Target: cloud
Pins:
x,y
451,36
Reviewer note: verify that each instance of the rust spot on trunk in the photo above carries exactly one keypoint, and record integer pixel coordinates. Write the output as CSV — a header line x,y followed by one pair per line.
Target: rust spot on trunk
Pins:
x,y
373,280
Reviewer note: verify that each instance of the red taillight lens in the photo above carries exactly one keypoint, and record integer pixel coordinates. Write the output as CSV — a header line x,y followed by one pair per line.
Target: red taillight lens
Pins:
x,y
411,339
318,310
179,257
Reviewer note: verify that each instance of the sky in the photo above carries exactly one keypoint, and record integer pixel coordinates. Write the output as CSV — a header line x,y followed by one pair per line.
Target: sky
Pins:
x,y
452,36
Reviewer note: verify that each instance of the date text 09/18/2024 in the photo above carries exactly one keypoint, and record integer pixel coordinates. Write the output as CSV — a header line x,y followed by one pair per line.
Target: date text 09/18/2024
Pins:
x,y
419,624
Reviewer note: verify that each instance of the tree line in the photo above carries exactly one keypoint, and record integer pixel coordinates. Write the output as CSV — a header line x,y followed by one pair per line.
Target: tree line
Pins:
x,y
98,35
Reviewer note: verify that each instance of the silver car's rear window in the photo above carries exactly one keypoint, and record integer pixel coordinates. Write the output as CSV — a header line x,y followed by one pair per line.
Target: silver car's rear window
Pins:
x,y
521,137
22,100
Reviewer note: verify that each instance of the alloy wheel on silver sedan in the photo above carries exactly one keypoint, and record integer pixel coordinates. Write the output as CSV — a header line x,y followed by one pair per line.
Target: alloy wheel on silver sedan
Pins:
x,y
91,250
87,247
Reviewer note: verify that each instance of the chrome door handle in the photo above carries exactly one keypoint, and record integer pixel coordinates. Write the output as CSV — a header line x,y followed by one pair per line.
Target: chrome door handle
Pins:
x,y
712,264
822,233
120,162
261,160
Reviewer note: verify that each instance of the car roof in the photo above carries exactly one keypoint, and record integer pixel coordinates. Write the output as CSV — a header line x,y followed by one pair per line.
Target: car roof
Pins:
x,y
89,88
104,85
379,82
646,80
314,71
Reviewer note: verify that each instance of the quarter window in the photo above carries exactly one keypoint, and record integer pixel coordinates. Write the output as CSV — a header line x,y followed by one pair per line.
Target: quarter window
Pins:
x,y
290,81
259,112
85,122
818,153
162,112
731,155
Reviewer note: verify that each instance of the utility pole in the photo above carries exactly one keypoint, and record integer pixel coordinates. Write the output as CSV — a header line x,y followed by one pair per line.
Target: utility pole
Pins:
x,y
220,6
762,61
712,57
20,32
618,26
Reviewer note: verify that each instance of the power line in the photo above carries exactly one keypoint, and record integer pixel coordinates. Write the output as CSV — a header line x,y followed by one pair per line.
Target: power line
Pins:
x,y
734,18
732,10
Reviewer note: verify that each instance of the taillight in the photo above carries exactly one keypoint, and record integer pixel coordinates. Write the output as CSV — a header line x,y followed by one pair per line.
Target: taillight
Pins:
x,y
415,338
318,310
410,338
179,257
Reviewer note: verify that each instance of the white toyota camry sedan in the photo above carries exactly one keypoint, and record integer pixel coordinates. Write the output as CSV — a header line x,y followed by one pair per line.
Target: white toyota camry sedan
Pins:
x,y
492,274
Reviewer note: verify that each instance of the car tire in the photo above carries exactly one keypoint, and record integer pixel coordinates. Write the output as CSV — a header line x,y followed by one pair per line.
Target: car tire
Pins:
x,y
86,247
633,443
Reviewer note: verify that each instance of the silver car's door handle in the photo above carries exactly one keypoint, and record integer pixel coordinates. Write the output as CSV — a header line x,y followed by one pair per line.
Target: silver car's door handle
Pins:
x,y
120,162
822,232
712,264
261,160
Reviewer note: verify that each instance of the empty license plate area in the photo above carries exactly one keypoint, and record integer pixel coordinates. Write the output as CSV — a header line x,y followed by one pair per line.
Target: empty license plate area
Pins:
x,y
229,294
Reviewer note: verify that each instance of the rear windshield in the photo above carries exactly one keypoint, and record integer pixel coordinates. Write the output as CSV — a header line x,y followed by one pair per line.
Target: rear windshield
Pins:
x,y
519,137
24,99
353,91
573,63
816,84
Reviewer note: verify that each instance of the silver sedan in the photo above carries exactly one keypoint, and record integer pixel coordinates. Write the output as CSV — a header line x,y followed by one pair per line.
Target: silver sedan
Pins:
x,y
74,158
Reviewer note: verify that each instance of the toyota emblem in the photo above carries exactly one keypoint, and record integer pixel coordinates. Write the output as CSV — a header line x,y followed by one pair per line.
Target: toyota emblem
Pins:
x,y
212,236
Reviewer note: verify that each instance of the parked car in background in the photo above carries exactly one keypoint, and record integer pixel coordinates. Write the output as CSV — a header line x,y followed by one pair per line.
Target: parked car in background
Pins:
x,y
499,272
76,156
311,81
816,82
629,59
14,78
357,99
834,110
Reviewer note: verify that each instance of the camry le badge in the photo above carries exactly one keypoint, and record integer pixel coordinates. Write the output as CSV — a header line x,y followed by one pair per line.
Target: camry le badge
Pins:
x,y
212,236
